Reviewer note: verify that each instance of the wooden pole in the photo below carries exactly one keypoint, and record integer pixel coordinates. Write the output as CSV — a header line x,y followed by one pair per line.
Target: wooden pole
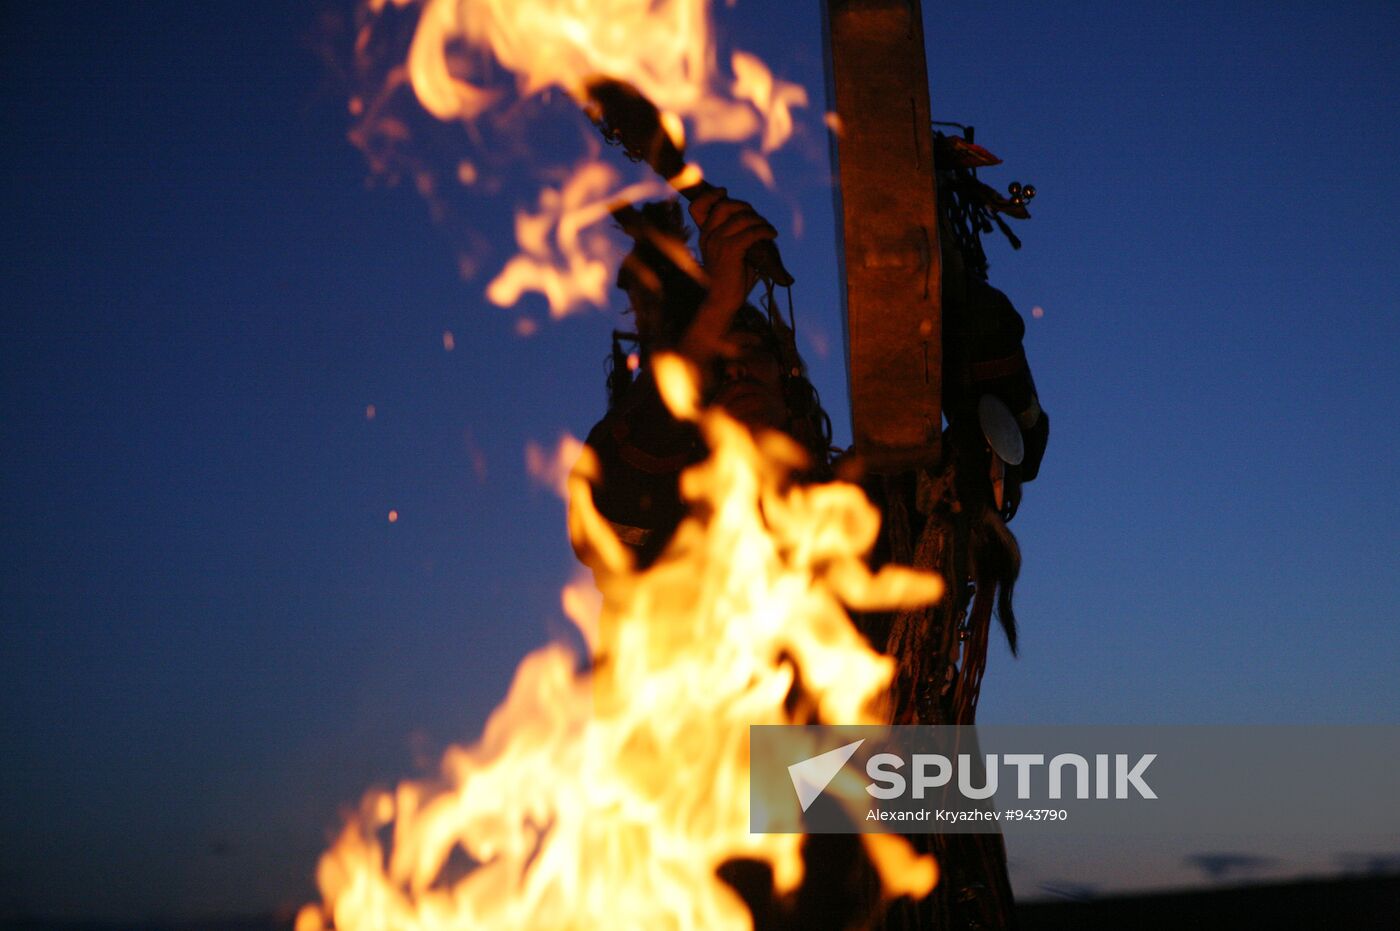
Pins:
x,y
886,191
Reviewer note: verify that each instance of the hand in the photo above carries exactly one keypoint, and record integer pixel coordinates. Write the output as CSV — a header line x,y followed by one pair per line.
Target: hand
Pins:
x,y
728,228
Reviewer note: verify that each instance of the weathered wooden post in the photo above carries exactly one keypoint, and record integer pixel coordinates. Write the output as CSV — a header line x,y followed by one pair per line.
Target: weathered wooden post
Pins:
x,y
892,282
886,189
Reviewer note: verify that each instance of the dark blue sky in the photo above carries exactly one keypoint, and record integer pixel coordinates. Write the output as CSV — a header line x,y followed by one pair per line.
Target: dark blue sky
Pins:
x,y
212,637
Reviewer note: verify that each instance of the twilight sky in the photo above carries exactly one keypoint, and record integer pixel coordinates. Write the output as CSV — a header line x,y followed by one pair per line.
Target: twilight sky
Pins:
x,y
213,638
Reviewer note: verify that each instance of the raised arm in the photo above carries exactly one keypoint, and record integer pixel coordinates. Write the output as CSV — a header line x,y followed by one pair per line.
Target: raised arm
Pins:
x,y
728,228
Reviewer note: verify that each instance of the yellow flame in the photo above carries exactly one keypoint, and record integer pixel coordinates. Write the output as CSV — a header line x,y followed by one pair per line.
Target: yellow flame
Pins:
x,y
664,48
441,94
583,605
689,175
679,384
608,799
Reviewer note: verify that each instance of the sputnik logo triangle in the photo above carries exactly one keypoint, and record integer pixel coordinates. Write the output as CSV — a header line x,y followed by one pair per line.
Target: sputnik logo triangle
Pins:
x,y
812,775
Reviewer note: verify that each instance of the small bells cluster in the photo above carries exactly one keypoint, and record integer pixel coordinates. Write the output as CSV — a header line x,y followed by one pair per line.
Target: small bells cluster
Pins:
x,y
1021,193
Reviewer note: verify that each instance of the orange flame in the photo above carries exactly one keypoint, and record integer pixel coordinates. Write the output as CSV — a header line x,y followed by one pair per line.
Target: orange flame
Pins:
x,y
774,99
552,469
664,48
607,799
564,254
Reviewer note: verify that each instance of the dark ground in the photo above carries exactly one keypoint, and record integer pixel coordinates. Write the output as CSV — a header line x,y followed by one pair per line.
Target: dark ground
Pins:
x,y
1349,904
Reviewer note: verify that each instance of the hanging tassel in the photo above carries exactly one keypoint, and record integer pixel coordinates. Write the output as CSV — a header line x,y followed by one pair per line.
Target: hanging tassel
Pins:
x,y
619,372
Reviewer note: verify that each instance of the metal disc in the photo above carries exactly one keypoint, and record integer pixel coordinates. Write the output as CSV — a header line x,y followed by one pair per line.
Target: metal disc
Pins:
x,y
1001,430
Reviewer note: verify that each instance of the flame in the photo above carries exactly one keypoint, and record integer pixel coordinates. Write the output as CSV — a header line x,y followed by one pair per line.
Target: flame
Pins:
x,y
564,254
758,165
664,48
772,98
583,605
552,469
607,798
